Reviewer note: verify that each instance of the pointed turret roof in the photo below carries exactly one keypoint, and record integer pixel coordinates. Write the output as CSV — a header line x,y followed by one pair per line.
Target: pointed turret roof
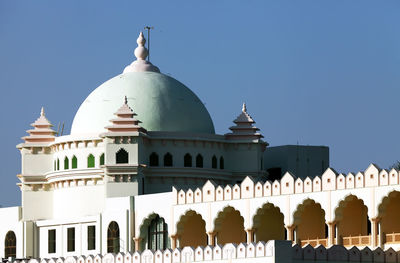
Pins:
x,y
244,129
125,121
42,132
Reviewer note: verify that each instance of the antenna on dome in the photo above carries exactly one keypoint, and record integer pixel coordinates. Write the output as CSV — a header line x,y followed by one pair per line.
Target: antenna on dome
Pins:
x,y
148,28
62,129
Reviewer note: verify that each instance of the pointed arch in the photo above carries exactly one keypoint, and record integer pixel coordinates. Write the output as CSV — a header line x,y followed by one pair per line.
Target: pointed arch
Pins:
x,y
199,161
58,164
154,233
168,160
153,159
389,214
214,162
187,160
113,245
268,223
191,230
122,156
10,245
229,226
101,160
221,163
66,163
74,164
90,161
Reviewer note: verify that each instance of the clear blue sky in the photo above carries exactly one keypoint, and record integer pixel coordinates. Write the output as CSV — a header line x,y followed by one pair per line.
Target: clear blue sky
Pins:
x,y
311,72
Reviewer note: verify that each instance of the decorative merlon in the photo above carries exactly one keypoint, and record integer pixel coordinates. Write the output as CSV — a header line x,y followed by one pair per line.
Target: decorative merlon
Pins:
x,y
42,132
373,176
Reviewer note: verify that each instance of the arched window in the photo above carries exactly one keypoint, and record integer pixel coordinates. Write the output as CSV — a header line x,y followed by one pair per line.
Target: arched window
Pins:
x,y
90,161
221,162
66,163
74,162
122,156
55,165
187,160
214,162
158,234
168,159
153,159
10,245
102,159
199,161
58,164
113,238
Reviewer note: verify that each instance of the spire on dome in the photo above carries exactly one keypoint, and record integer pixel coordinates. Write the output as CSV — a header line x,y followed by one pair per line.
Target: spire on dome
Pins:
x,y
244,129
125,121
42,132
141,53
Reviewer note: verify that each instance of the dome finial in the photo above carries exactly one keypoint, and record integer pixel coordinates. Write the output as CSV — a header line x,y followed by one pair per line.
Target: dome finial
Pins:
x,y
126,100
141,51
244,109
42,112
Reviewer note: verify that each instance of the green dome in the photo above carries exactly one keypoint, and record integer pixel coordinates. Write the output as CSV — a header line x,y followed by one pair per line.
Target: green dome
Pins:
x,y
160,102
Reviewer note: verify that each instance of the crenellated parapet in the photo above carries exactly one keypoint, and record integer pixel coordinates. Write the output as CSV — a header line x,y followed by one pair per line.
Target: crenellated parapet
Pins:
x,y
330,180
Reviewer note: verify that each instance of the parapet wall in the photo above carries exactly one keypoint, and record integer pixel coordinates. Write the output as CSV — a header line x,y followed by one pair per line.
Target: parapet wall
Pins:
x,y
270,252
373,176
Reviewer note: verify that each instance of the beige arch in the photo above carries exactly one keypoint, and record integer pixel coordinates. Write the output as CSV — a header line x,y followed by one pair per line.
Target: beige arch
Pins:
x,y
191,230
268,223
309,219
389,213
229,226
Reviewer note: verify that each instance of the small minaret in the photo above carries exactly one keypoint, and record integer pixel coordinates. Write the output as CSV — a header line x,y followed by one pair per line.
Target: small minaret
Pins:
x,y
42,132
141,53
125,121
244,129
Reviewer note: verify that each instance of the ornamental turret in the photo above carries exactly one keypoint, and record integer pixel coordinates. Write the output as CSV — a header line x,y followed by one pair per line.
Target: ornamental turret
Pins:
x,y
244,129
42,132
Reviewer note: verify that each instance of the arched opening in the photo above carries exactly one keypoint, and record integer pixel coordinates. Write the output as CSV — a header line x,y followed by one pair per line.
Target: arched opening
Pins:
x,y
113,238
10,245
74,162
389,213
199,161
168,160
187,160
66,163
221,163
58,164
90,161
157,234
122,156
153,159
352,222
229,226
101,161
191,230
214,162
268,224
309,220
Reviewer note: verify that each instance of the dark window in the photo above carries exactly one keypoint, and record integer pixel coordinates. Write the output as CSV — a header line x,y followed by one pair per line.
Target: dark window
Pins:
x,y
74,162
153,159
102,159
122,156
199,161
90,161
10,245
71,239
55,165
51,248
221,163
187,160
113,238
214,162
158,234
66,163
91,237
168,159
58,164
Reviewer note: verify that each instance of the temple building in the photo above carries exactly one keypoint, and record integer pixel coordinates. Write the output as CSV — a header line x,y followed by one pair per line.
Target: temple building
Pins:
x,y
143,177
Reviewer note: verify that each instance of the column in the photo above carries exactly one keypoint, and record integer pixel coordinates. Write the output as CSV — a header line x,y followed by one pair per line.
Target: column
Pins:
x,y
137,243
331,233
174,239
374,232
211,238
250,235
290,232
